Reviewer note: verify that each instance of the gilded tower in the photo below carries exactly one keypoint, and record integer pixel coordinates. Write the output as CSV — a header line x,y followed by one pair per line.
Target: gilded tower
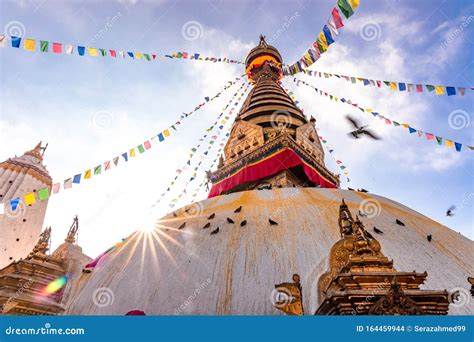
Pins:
x,y
272,143
21,227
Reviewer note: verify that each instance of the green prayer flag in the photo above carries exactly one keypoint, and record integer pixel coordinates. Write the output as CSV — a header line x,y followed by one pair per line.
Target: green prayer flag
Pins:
x,y
345,8
141,149
439,140
353,79
342,167
44,45
103,52
147,56
395,123
98,170
43,193
430,87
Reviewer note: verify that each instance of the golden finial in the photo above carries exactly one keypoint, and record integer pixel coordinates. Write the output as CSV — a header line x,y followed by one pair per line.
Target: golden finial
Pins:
x,y
72,233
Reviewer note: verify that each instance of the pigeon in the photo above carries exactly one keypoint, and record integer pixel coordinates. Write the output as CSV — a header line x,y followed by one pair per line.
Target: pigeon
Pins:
x,y
361,214
182,226
450,212
369,235
362,190
230,220
400,223
215,231
243,223
273,223
207,225
360,130
429,238
378,231
238,209
211,216
350,189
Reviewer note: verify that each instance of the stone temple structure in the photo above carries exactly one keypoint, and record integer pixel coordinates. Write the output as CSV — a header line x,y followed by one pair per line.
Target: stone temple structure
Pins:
x,y
276,236
20,228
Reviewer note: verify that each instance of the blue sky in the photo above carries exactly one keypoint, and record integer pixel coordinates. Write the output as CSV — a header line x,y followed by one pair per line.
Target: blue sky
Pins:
x,y
61,99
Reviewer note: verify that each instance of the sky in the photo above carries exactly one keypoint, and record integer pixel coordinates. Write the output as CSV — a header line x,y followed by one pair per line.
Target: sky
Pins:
x,y
91,109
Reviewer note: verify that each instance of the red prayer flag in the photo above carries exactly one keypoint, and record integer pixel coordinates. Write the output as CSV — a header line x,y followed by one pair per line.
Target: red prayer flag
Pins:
x,y
147,144
429,136
379,83
57,48
419,88
107,165
113,53
337,18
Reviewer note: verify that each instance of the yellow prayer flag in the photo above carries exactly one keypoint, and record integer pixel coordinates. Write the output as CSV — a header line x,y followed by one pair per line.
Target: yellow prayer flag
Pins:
x,y
393,86
370,110
166,133
406,125
449,143
324,42
439,90
30,44
93,52
354,4
30,198
138,55
131,153
87,174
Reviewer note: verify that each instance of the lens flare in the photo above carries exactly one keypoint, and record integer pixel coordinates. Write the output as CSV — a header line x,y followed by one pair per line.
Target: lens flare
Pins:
x,y
56,285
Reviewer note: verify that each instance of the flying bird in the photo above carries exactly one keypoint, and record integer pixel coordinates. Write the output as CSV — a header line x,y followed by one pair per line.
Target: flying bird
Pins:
x,y
361,214
360,130
273,223
362,190
182,226
211,216
450,211
207,225
378,231
238,209
215,231
400,223
230,220
243,223
429,238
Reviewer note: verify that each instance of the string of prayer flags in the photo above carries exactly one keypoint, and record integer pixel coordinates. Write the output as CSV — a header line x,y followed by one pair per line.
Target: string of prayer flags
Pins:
x,y
194,149
395,86
29,44
45,193
429,136
325,38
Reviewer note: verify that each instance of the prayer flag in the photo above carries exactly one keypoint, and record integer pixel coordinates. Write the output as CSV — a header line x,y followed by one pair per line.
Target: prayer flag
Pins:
x,y
3,41
430,87
14,203
393,86
412,130
458,146
30,44
429,136
419,88
93,52
16,41
138,55
327,35
160,137
461,91
141,149
44,45
125,156
337,18
410,87
147,144
69,49
103,52
323,40
57,48
68,183
116,159
345,8
450,91
29,198
81,50
98,170
77,179
439,90
354,4
43,194
130,54
2,208
56,187
131,153
402,86
166,133
439,140
113,53
87,174
448,143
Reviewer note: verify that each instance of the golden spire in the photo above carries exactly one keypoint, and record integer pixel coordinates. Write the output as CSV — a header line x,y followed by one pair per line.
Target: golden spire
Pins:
x,y
42,246
38,151
72,233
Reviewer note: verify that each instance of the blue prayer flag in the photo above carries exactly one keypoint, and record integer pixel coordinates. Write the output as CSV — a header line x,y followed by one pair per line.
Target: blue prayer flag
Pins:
x,y
458,146
81,50
366,81
130,54
327,34
77,179
125,156
450,91
161,137
16,42
412,130
402,86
